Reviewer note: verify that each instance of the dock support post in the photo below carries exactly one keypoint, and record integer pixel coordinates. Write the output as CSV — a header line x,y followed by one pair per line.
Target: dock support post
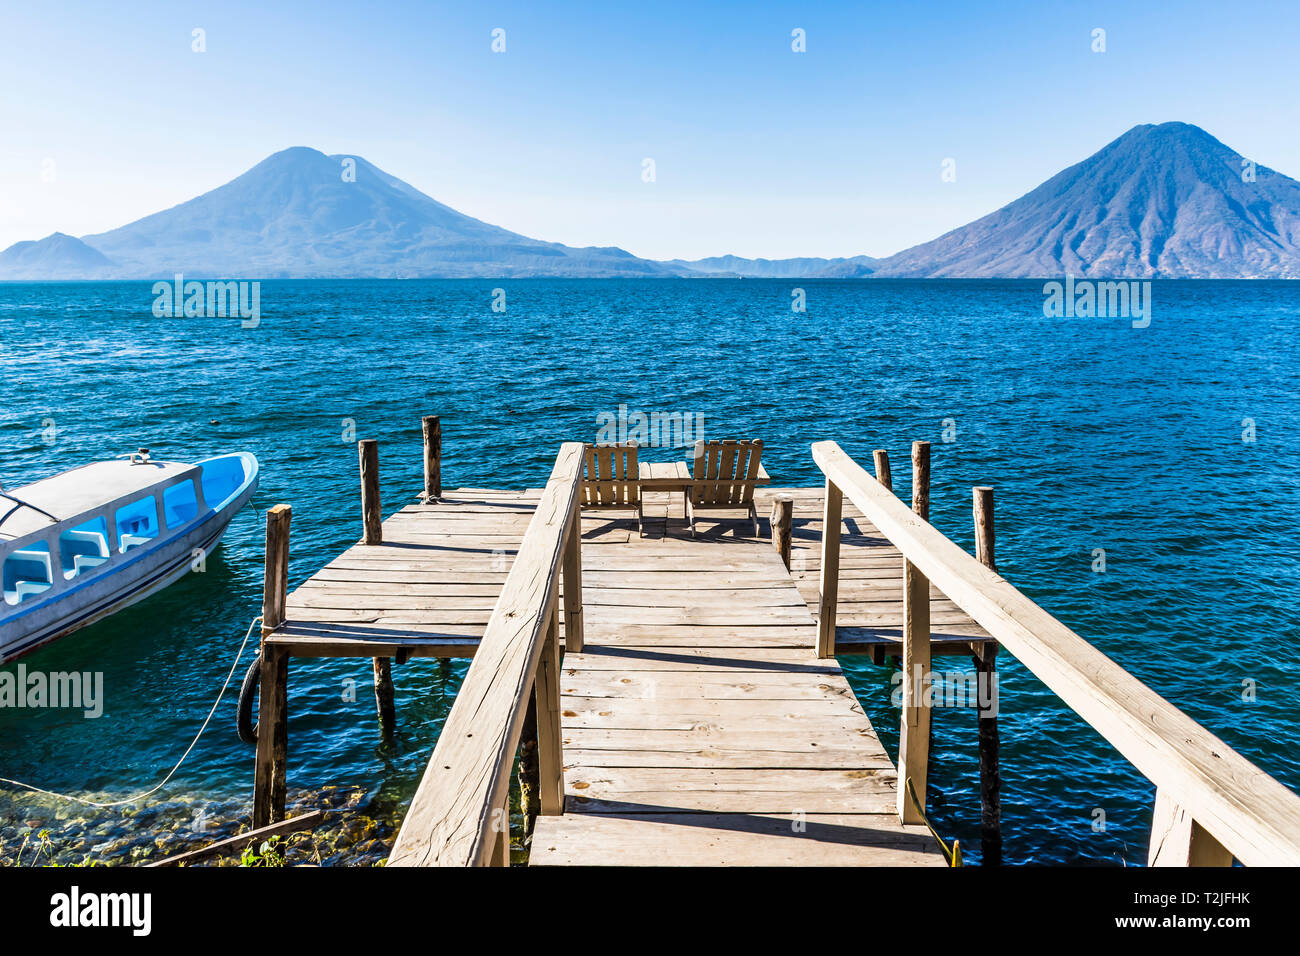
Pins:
x,y
546,687
385,694
273,705
372,521
782,522
572,582
921,479
432,427
914,728
985,532
882,469
986,673
829,587
373,533
1178,840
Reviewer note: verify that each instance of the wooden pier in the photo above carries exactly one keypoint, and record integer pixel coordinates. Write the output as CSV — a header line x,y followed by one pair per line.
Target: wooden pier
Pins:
x,y
683,690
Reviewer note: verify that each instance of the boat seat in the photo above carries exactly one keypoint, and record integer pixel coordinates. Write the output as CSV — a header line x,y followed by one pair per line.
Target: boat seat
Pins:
x,y
130,541
93,539
81,550
26,589
84,562
41,558
27,572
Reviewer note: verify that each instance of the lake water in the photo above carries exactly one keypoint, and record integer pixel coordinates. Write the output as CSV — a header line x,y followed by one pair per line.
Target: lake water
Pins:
x,y
1095,434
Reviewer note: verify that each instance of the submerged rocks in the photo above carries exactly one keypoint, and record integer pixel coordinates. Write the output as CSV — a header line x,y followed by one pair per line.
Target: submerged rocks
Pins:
x,y
45,831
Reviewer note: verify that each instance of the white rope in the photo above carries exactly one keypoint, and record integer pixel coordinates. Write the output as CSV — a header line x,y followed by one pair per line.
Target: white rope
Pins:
x,y
141,796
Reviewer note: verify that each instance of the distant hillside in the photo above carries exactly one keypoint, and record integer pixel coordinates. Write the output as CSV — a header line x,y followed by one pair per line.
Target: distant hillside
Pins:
x,y
294,215
57,256
1160,201
779,268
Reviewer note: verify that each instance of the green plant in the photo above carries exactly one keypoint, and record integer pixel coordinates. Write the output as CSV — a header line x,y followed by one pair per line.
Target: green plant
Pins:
x,y
270,853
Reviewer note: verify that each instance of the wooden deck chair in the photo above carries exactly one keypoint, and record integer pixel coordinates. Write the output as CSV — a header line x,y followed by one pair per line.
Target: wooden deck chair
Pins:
x,y
611,481
725,475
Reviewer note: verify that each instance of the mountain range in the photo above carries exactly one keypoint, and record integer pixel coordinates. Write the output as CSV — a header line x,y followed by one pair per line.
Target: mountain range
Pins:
x,y
1161,201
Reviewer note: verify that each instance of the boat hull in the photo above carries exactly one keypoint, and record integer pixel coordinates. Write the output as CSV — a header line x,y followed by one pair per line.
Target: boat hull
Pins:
x,y
146,572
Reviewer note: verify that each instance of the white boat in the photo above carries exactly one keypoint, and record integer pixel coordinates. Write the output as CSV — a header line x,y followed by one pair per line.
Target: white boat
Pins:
x,y
77,547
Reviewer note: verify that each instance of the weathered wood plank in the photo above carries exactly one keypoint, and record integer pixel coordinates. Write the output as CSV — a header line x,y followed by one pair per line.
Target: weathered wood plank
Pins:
x,y
236,844
726,790
698,839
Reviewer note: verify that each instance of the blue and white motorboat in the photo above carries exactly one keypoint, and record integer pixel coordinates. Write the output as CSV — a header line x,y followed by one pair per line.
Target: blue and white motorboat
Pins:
x,y
84,544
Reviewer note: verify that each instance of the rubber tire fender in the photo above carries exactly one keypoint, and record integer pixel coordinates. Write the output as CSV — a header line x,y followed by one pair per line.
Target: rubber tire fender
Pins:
x,y
244,722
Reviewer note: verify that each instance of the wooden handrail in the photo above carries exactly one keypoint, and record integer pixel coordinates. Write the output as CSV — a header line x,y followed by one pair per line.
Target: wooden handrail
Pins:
x,y
459,810
1219,792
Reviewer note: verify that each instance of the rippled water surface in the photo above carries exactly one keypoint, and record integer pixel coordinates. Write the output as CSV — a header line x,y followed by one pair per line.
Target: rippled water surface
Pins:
x,y
1096,435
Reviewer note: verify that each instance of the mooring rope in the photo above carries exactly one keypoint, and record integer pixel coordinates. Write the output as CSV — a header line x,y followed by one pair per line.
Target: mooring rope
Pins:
x,y
140,796
953,856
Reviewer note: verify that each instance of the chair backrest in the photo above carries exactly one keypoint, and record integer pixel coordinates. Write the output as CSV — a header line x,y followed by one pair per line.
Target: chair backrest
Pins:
x,y
725,471
611,478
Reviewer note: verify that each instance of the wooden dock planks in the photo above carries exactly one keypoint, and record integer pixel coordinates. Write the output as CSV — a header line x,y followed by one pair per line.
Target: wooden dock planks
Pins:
x,y
869,615
698,726
700,729
427,590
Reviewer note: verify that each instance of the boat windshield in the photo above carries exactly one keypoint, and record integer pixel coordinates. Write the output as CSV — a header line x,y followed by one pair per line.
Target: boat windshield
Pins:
x,y
222,479
180,504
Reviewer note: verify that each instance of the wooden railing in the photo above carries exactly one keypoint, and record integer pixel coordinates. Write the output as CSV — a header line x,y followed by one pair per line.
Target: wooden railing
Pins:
x,y
1212,804
459,815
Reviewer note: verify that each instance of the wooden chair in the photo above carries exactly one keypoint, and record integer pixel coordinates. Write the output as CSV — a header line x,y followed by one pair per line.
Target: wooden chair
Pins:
x,y
725,475
612,479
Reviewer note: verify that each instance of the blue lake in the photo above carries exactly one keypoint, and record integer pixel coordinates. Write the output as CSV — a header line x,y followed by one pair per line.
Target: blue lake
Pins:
x,y
1095,434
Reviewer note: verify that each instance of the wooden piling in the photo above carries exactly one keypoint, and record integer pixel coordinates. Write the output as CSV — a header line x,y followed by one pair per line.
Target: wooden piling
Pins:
x,y
921,478
782,522
269,773
914,727
985,533
882,469
572,571
373,533
385,694
986,675
829,586
371,516
432,427
550,759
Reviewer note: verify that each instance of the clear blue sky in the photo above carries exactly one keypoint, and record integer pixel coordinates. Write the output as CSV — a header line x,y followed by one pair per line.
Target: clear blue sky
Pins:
x,y
759,151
